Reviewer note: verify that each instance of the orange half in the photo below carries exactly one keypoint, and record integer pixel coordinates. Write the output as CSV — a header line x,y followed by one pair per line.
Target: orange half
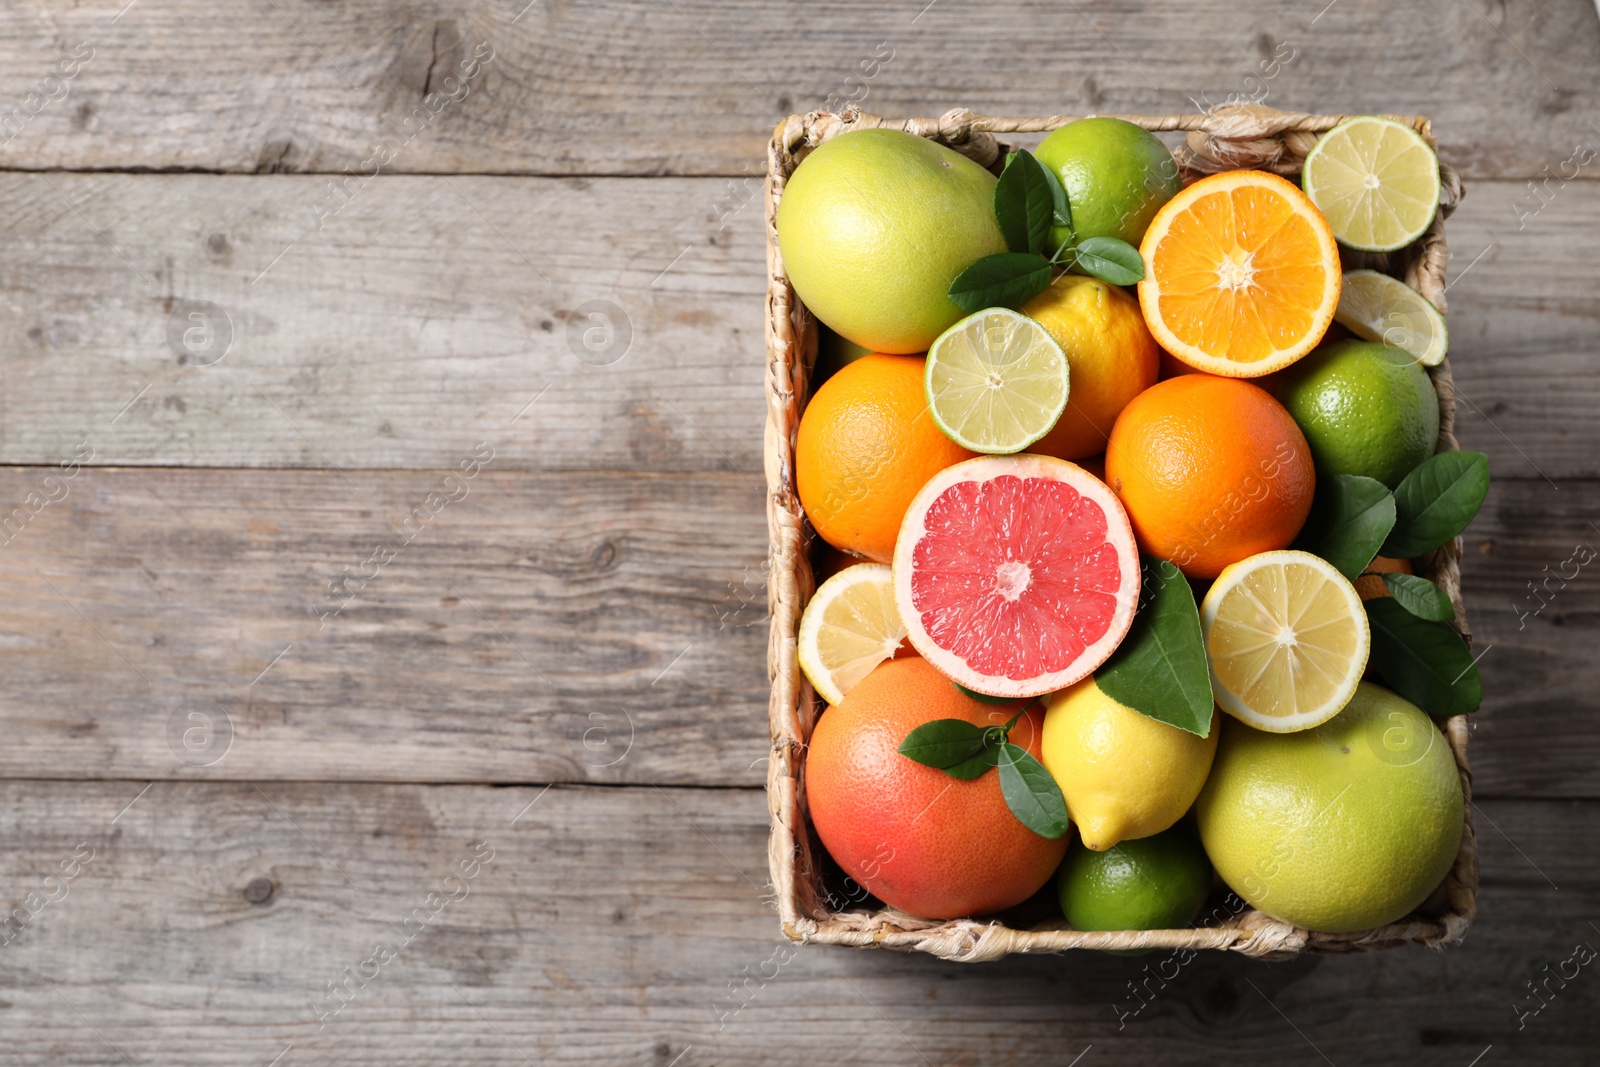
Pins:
x,y
1241,274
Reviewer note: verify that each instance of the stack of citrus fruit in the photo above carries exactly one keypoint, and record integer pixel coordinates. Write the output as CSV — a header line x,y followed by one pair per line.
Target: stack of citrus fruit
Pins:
x,y
1086,468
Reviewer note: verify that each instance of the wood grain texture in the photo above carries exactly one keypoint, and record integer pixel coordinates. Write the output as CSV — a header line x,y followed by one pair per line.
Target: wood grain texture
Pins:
x,y
547,627
537,627
431,311
1531,580
693,87
629,927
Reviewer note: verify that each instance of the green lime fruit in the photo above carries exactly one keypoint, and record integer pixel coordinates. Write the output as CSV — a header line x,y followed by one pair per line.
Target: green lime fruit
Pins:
x,y
874,225
1365,408
1347,826
1377,182
1117,176
1151,883
996,381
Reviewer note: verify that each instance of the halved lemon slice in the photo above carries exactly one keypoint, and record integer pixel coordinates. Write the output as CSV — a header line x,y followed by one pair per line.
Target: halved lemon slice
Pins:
x,y
850,626
1286,640
1376,180
1241,274
1377,307
996,381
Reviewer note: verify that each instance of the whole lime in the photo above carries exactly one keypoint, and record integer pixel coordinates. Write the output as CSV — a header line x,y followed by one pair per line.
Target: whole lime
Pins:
x,y
1153,883
1117,176
874,225
1343,827
1365,408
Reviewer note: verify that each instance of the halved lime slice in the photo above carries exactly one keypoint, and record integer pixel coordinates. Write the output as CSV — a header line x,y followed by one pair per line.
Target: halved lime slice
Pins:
x,y
996,381
1376,180
850,626
1377,307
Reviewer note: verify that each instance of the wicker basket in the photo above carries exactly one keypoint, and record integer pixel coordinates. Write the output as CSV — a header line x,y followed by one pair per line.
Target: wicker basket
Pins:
x,y
1227,139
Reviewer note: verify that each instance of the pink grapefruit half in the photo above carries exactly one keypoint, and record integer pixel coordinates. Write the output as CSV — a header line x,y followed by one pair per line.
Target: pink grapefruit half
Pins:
x,y
1016,575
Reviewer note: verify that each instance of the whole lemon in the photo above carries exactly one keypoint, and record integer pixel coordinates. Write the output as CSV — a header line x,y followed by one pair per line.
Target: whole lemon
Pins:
x,y
1343,827
1124,775
1365,408
1117,176
874,225
1111,358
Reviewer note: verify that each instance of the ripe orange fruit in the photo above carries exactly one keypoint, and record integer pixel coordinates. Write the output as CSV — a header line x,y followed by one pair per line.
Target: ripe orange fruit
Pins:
x,y
1211,471
916,838
866,444
1241,274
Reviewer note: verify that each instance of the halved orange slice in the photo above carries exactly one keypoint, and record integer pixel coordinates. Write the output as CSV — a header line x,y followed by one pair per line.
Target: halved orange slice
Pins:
x,y
1241,274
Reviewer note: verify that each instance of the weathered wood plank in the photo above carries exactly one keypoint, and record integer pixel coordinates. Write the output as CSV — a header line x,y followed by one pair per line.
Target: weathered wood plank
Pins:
x,y
430,313
412,325
516,627
634,87
629,927
565,627
1531,578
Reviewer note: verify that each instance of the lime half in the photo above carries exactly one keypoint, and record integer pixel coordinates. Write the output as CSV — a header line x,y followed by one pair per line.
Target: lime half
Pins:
x,y
850,626
1376,307
996,381
1376,180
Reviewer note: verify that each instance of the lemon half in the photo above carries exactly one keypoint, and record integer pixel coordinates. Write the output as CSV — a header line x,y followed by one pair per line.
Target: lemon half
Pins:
x,y
850,626
1286,640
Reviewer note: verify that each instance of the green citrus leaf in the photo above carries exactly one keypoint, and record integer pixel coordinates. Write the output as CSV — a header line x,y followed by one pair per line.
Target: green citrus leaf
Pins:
x,y
1420,597
1436,501
1004,279
1061,210
944,743
1024,203
1159,670
1030,792
1425,662
978,765
1350,518
1111,260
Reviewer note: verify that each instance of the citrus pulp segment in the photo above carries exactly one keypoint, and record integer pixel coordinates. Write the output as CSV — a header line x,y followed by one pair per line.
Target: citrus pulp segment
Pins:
x,y
1376,180
1016,575
1376,307
996,381
1286,640
1241,274
850,626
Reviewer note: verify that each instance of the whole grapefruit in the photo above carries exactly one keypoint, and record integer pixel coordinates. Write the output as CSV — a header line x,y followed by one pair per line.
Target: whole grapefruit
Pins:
x,y
874,225
913,836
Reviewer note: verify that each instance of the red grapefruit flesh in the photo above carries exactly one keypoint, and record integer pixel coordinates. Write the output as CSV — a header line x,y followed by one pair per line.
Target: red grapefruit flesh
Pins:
x,y
1016,575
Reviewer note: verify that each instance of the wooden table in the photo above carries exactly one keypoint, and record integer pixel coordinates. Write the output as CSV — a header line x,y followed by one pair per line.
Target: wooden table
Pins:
x,y
384,648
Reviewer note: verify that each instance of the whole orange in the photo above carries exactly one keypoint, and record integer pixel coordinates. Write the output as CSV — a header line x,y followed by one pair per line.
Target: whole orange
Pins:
x,y
916,838
1211,470
866,444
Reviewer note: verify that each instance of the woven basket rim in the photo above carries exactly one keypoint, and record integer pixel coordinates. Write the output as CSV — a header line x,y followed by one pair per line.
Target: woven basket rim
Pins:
x,y
1226,138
